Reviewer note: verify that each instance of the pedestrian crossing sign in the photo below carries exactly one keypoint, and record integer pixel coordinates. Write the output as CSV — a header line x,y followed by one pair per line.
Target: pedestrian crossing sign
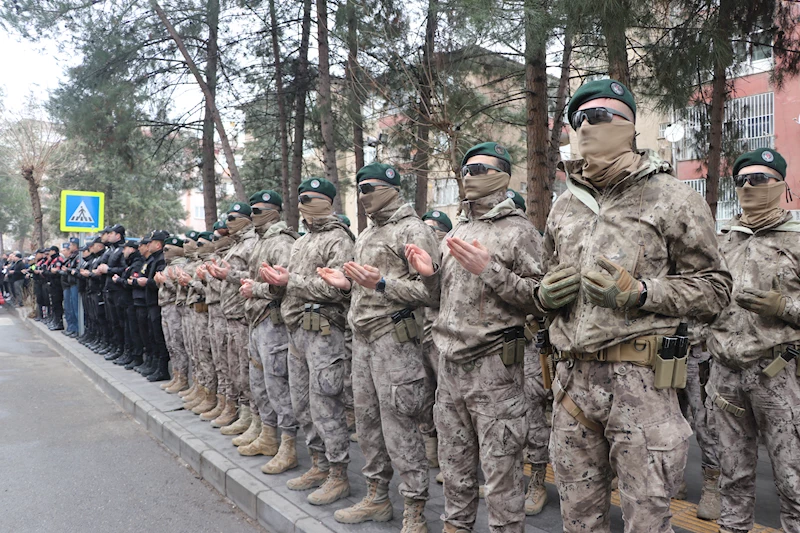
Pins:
x,y
82,211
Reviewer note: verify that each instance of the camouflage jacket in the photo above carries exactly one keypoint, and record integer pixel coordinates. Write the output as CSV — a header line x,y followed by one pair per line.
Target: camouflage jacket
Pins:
x,y
238,256
168,291
739,337
274,248
210,287
328,243
382,245
474,310
190,295
656,227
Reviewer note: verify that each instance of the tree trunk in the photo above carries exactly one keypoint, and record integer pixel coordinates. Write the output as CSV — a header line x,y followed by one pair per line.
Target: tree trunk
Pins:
x,y
301,84
354,100
539,189
716,117
2,244
223,137
554,153
36,206
614,21
283,119
325,105
209,159
426,82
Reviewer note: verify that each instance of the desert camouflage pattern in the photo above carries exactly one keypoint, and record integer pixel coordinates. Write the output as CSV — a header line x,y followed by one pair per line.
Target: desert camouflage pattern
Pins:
x,y
204,369
692,400
273,247
269,345
238,256
167,291
538,436
657,228
238,358
172,324
218,335
739,337
316,379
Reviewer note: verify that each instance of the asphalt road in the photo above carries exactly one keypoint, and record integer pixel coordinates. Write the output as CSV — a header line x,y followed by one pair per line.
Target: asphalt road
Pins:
x,y
72,461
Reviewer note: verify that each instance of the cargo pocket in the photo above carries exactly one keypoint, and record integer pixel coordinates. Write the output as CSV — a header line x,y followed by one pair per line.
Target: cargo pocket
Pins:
x,y
667,445
504,425
277,363
408,390
330,378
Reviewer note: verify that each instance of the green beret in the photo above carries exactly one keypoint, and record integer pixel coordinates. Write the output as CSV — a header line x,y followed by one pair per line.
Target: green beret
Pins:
x,y
763,156
493,149
220,224
344,218
174,241
241,208
268,197
600,89
379,171
194,235
517,197
320,185
206,235
439,217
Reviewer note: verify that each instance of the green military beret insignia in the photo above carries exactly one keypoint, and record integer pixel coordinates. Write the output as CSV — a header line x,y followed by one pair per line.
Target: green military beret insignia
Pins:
x,y
318,185
440,218
763,156
488,148
241,208
601,89
379,171
193,235
519,201
205,235
220,224
174,241
267,197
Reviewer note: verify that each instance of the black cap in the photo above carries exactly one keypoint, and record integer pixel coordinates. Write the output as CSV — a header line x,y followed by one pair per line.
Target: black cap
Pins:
x,y
159,235
145,240
53,249
106,229
84,248
130,243
98,240
118,228
74,240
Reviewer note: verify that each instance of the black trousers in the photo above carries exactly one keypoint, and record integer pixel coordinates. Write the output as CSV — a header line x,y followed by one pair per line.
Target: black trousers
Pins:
x,y
156,331
131,326
144,328
116,317
57,299
100,315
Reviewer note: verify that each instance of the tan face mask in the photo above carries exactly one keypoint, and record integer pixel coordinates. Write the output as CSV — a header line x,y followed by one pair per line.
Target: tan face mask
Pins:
x,y
315,209
378,199
761,206
189,247
171,252
476,187
607,150
268,216
237,225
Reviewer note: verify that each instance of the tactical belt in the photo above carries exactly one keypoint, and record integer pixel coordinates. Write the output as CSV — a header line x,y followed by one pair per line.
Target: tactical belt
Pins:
x,y
640,351
313,320
201,307
725,405
256,364
560,396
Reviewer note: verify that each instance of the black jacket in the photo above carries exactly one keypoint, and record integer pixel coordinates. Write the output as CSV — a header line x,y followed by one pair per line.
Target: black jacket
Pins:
x,y
155,263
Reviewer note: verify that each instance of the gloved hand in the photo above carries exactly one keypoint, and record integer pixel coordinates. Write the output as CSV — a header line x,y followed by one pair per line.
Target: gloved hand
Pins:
x,y
615,289
764,303
559,287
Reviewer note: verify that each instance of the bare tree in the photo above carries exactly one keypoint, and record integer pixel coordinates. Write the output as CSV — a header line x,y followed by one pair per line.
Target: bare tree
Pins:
x,y
325,105
209,156
283,119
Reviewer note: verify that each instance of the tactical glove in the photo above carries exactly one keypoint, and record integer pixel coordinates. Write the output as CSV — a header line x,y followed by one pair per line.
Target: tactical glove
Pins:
x,y
765,303
615,289
559,287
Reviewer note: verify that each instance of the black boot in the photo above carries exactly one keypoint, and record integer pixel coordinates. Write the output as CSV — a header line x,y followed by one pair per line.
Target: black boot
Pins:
x,y
162,370
149,365
135,361
116,353
126,358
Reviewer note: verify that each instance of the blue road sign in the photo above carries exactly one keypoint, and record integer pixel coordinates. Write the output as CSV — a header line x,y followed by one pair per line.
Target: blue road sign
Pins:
x,y
82,211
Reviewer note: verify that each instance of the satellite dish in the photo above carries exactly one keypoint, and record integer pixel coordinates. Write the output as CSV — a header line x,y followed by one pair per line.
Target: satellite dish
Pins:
x,y
675,132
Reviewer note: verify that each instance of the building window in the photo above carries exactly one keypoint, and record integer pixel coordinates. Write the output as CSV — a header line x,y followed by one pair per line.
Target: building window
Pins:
x,y
446,192
662,128
750,120
199,212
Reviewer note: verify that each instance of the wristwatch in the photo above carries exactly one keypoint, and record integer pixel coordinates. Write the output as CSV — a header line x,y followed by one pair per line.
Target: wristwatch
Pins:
x,y
381,286
642,295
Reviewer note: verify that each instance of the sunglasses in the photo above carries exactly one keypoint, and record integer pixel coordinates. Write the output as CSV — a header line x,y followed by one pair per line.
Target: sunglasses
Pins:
x,y
366,188
231,218
260,210
754,179
595,115
305,199
477,169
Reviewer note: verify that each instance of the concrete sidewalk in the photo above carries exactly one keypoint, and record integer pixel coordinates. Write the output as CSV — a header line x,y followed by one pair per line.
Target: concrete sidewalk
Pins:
x,y
215,459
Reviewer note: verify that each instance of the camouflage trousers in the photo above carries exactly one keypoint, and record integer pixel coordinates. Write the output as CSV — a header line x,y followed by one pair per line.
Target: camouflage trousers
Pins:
x,y
187,326
172,324
269,379
692,400
480,416
218,341
349,402
201,340
316,379
390,387
431,361
645,442
538,439
238,355
771,407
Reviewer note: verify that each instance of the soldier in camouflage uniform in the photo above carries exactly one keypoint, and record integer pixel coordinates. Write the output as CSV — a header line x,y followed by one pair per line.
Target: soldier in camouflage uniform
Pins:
x,y
232,269
484,295
315,315
269,339
630,252
754,341
180,275
390,384
171,316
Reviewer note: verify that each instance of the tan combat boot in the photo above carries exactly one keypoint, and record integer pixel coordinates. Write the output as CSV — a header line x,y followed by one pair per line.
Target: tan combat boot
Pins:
x,y
250,435
285,459
227,416
241,424
265,444
336,487
216,411
198,398
450,528
440,478
432,451
171,382
681,493
181,384
482,492
536,497
414,517
315,477
190,391
710,506
208,403
375,506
